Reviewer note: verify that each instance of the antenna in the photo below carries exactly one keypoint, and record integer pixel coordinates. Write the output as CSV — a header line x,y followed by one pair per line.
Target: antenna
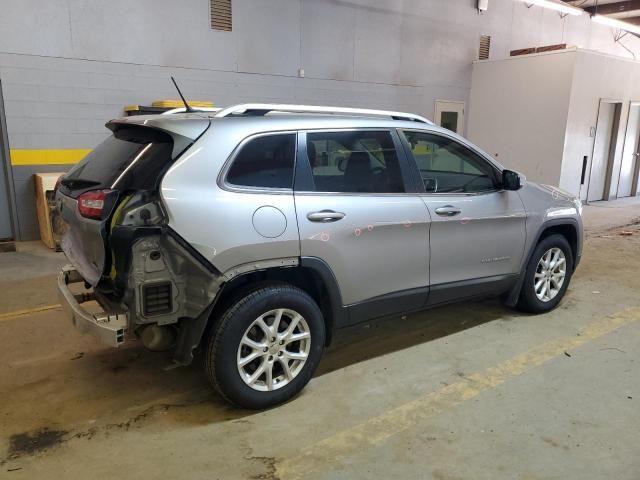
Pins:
x,y
187,108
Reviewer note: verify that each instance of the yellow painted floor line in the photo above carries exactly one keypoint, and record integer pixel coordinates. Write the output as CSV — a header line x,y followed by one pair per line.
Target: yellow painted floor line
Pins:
x,y
19,313
376,430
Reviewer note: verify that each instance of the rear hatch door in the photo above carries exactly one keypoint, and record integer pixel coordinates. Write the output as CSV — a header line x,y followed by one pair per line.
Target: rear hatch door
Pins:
x,y
133,159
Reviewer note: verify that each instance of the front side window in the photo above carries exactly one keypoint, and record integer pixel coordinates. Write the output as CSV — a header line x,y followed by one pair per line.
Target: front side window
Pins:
x,y
265,162
354,162
446,166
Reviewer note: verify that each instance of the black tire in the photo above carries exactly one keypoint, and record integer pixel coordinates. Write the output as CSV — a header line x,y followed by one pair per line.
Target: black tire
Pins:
x,y
222,347
528,300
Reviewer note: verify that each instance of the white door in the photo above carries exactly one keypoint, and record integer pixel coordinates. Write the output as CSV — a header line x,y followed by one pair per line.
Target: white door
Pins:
x,y
601,151
627,185
450,115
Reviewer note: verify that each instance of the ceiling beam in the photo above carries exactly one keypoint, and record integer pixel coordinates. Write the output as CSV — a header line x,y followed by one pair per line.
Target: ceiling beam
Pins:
x,y
632,20
611,8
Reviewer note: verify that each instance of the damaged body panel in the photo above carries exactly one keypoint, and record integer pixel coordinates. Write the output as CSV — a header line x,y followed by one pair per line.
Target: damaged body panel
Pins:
x,y
167,283
133,159
136,268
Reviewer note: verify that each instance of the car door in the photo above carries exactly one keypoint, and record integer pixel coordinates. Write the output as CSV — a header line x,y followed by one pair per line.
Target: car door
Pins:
x,y
355,214
478,230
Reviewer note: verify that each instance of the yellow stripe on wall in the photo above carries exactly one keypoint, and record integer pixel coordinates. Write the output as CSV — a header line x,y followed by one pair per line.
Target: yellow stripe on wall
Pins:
x,y
43,156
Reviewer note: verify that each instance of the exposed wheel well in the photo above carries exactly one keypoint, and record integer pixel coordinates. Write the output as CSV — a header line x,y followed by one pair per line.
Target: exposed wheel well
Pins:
x,y
304,278
568,231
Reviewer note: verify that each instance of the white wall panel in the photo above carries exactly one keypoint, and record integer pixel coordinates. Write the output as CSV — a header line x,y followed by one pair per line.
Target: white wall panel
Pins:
x,y
519,109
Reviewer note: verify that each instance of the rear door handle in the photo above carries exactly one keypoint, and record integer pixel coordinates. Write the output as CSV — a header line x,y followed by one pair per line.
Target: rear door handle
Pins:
x,y
447,211
325,216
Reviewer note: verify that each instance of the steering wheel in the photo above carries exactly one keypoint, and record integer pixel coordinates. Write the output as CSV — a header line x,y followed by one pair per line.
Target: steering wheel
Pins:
x,y
463,188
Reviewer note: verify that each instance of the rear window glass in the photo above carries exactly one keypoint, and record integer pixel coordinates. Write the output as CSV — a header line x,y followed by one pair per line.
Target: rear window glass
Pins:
x,y
122,164
265,162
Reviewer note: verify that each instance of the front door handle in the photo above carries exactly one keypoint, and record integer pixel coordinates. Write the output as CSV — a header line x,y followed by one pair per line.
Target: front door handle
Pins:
x,y
447,211
325,216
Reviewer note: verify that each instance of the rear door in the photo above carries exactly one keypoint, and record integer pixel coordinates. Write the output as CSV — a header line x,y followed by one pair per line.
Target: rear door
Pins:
x,y
478,229
355,213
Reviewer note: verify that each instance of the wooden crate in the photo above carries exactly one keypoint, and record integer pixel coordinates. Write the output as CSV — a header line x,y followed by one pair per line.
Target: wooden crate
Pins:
x,y
48,221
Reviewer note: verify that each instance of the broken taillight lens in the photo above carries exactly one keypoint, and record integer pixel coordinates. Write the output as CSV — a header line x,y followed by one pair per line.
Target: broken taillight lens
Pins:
x,y
91,204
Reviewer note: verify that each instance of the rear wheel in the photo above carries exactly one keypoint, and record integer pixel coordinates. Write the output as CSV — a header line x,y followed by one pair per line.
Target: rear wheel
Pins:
x,y
547,275
266,346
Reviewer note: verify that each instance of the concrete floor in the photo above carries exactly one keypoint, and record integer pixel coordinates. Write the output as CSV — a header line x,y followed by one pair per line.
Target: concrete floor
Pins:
x,y
472,391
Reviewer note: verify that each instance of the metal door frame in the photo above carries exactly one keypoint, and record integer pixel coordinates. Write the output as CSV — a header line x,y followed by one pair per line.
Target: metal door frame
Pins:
x,y
617,112
6,172
636,166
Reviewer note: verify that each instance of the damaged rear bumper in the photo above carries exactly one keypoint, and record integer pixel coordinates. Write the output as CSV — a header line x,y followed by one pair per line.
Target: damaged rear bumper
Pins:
x,y
109,327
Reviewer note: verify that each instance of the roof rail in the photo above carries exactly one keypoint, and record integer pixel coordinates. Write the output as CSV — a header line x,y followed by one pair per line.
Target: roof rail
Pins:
x,y
260,109
195,109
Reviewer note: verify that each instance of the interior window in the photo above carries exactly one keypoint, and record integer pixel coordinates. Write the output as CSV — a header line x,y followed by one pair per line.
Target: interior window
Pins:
x,y
446,166
265,161
354,162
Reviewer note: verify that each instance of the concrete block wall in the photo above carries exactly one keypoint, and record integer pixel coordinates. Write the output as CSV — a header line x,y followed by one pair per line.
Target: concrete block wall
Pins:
x,y
86,60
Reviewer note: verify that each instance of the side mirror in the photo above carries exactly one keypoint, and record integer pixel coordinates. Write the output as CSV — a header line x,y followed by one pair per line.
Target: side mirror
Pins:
x,y
511,180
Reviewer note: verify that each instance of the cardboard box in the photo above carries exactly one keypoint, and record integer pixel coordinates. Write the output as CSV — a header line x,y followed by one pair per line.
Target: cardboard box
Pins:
x,y
51,225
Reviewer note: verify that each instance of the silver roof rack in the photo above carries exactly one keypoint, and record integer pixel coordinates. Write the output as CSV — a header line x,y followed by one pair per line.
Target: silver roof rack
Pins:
x,y
259,109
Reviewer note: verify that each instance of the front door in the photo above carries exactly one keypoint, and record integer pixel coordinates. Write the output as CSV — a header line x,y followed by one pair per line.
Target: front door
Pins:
x,y
354,214
477,230
450,115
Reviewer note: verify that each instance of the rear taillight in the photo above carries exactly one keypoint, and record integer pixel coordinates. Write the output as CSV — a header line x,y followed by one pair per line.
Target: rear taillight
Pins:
x,y
91,204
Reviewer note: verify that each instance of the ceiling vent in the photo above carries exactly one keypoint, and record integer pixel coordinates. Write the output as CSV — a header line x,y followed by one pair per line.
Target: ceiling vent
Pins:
x,y
220,15
485,46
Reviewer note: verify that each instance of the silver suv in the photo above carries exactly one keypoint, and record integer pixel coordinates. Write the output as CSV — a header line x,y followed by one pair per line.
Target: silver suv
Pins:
x,y
253,233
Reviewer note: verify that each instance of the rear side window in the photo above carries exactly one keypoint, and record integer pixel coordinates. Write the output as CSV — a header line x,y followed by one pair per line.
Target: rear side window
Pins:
x,y
265,162
131,159
354,162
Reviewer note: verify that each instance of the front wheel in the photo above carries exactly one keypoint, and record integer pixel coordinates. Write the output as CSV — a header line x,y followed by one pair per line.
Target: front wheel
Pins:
x,y
547,275
266,346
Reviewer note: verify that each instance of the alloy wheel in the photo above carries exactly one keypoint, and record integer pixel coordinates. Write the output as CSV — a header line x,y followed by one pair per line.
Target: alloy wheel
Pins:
x,y
274,349
550,274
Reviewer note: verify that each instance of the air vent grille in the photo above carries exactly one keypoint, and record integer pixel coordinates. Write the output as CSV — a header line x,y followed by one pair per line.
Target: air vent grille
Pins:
x,y
156,299
485,47
220,15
